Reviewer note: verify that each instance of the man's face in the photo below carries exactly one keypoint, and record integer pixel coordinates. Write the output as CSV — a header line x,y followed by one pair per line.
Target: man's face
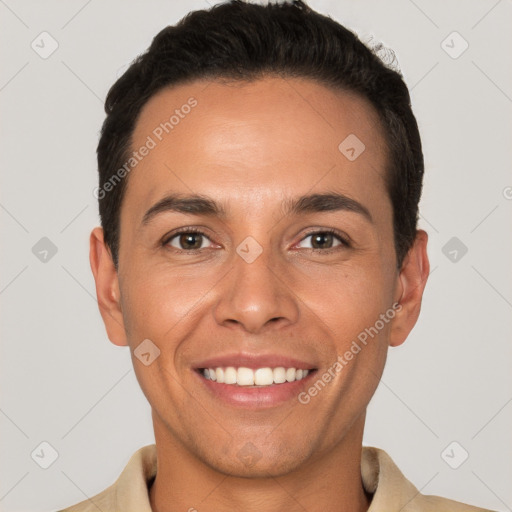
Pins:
x,y
260,286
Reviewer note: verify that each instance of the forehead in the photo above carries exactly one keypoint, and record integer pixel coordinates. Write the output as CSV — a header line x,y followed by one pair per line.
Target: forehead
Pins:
x,y
243,140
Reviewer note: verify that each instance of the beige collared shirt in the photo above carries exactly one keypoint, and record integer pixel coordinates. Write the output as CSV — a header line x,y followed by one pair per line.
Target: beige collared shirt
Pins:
x,y
392,492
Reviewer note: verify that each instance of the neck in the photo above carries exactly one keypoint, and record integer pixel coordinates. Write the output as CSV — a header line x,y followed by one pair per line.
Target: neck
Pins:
x,y
331,483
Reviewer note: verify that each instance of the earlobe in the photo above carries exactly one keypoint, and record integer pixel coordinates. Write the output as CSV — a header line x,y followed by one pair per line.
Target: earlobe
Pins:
x,y
107,288
413,278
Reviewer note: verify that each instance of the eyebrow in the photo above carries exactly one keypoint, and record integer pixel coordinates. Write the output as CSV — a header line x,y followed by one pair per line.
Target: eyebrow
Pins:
x,y
203,205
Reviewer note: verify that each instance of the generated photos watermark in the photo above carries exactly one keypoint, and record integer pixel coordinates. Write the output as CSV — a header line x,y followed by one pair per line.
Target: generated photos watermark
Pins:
x,y
157,135
304,397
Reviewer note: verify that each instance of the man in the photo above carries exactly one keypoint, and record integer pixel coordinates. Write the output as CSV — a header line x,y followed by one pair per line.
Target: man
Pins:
x,y
260,173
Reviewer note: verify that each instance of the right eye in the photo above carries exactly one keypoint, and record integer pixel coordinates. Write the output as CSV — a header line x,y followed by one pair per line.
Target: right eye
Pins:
x,y
186,240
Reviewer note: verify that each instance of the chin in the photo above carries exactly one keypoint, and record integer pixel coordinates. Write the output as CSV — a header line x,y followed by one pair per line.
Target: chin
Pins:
x,y
251,462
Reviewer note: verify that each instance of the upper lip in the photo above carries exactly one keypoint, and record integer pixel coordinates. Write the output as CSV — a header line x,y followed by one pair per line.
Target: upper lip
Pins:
x,y
254,361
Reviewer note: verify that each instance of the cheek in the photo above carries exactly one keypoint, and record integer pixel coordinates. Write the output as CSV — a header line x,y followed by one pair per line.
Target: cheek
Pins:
x,y
158,301
161,308
349,298
165,307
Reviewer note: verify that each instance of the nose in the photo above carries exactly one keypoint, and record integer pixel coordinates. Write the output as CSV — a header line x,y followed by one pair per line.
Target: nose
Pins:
x,y
255,295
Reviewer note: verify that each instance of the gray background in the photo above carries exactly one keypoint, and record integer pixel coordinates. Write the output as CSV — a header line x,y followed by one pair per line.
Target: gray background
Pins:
x,y
63,382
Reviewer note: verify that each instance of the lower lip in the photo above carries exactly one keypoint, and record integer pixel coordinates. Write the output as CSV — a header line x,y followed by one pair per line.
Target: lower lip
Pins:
x,y
256,397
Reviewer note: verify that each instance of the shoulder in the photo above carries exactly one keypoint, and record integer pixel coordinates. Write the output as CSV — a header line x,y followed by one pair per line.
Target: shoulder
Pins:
x,y
129,491
105,501
393,492
437,504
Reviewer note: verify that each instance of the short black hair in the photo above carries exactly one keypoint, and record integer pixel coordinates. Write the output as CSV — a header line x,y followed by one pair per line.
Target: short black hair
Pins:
x,y
237,40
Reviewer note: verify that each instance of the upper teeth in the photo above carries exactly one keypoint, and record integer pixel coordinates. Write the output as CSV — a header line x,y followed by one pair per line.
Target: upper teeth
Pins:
x,y
249,377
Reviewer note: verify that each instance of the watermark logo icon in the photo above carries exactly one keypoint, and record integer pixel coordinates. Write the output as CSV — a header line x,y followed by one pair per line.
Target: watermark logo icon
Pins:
x,y
454,249
351,147
44,250
249,249
454,455
44,45
44,455
249,454
454,45
146,352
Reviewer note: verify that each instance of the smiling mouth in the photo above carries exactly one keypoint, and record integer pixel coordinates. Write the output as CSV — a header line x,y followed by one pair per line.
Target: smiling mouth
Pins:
x,y
258,377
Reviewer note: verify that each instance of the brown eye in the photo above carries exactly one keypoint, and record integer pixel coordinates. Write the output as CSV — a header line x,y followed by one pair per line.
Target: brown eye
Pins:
x,y
187,240
323,240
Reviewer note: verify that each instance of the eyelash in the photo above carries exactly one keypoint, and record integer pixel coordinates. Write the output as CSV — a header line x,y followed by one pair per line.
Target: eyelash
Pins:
x,y
345,244
182,231
329,231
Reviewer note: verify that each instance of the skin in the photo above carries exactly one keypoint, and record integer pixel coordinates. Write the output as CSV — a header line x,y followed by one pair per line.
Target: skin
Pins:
x,y
248,146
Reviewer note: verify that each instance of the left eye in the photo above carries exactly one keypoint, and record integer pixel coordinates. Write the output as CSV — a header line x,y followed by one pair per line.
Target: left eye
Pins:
x,y
189,240
323,240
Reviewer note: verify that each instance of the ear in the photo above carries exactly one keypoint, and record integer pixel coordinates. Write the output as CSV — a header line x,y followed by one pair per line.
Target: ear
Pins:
x,y
412,280
107,288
